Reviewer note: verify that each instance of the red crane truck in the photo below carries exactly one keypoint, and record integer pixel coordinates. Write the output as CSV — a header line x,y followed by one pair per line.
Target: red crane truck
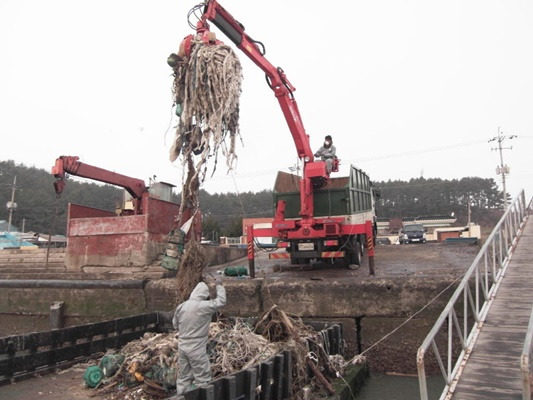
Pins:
x,y
137,189
302,224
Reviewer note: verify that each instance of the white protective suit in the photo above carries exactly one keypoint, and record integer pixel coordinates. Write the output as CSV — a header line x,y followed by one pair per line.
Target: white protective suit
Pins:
x,y
192,319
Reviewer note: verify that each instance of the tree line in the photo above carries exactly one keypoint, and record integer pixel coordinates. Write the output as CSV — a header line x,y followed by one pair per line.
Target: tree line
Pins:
x,y
39,210
421,196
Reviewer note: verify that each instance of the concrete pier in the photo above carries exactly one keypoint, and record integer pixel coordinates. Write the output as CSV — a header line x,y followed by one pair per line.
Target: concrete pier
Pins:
x,y
407,280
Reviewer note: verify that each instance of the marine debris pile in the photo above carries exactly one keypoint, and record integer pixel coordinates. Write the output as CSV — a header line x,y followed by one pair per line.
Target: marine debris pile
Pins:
x,y
147,368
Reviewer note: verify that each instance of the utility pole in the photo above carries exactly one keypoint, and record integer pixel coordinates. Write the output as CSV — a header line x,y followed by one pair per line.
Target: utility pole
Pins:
x,y
502,168
469,213
11,205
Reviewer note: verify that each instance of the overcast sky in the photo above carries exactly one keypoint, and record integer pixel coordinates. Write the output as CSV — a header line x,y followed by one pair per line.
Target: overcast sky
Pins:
x,y
406,88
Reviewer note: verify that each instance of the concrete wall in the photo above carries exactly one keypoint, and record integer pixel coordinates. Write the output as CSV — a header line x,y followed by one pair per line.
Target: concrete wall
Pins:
x,y
369,309
218,255
24,259
21,260
103,303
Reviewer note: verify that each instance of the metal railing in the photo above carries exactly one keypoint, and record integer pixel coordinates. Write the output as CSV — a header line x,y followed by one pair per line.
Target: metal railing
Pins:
x,y
476,291
526,361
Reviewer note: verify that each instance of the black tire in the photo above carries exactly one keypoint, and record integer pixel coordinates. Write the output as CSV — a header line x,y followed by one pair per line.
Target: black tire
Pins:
x,y
354,252
296,261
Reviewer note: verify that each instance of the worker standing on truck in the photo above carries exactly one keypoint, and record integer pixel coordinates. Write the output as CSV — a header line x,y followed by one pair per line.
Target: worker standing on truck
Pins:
x,y
327,153
192,319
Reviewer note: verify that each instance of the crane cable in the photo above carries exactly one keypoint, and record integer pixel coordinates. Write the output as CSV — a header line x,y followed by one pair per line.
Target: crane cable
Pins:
x,y
238,194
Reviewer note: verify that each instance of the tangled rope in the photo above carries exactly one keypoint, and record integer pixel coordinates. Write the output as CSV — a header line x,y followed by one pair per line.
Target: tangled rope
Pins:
x,y
306,346
238,347
191,271
207,88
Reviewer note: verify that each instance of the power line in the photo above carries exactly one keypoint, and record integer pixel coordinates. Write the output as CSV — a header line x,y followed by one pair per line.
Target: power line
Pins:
x,y
416,152
253,174
238,195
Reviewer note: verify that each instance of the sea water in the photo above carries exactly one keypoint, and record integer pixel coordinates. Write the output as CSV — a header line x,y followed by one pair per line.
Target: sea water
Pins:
x,y
396,387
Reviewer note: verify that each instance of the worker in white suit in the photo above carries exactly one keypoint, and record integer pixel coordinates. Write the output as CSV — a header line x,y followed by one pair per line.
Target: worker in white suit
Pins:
x,y
192,319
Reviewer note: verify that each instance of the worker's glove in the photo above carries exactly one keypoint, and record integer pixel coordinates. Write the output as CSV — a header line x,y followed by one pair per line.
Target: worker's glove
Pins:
x,y
218,280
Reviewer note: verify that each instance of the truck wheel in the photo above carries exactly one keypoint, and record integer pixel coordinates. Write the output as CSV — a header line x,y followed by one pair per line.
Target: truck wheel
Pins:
x,y
352,257
353,260
356,258
354,267
296,261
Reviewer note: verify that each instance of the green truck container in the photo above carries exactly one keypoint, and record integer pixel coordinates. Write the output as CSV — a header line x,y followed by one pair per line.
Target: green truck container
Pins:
x,y
345,195
349,204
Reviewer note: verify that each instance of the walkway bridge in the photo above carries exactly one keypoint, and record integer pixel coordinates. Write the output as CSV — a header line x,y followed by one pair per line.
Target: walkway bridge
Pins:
x,y
488,322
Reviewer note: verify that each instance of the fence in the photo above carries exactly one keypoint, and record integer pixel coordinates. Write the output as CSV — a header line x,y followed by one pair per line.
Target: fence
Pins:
x,y
526,359
476,289
272,376
270,380
23,356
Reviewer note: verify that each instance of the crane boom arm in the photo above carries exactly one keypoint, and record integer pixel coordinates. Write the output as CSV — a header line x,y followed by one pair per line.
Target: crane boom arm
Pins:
x,y
70,165
314,174
277,80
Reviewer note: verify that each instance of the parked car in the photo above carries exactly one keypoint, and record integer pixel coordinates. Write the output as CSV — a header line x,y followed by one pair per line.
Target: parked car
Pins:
x,y
383,240
412,233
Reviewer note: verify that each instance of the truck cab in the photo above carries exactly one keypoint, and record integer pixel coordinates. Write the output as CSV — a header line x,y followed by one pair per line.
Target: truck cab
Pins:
x,y
412,233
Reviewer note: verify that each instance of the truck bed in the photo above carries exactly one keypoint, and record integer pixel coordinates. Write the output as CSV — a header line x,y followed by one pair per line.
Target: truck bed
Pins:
x,y
345,195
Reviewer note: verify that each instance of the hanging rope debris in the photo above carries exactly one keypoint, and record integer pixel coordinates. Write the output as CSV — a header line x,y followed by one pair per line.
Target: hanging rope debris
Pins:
x,y
194,259
207,88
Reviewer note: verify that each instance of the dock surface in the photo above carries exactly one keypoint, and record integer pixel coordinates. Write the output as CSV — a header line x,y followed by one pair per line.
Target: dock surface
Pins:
x,y
493,369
